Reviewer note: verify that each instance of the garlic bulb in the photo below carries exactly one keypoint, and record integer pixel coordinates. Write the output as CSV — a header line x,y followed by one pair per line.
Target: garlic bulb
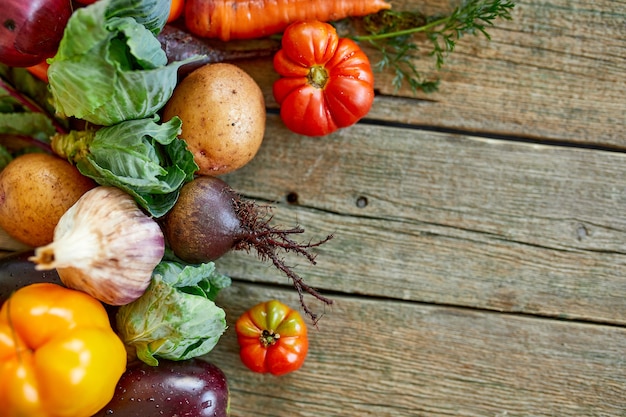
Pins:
x,y
105,246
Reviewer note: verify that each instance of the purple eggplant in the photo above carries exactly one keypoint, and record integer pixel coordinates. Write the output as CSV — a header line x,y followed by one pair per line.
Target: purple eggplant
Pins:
x,y
193,388
16,271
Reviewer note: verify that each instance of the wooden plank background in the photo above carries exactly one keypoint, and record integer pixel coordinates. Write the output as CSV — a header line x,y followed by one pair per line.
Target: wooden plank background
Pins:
x,y
450,219
374,357
555,72
478,266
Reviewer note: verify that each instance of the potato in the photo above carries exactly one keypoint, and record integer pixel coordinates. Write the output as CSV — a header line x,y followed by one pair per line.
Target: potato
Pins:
x,y
36,189
223,113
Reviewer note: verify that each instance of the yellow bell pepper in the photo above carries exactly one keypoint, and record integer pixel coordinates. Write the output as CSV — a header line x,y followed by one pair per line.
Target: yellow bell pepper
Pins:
x,y
59,356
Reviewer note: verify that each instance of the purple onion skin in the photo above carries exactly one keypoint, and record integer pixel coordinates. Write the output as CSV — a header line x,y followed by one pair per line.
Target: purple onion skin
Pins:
x,y
31,30
192,387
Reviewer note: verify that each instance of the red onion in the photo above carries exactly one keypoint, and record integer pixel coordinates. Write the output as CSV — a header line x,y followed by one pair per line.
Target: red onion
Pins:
x,y
30,30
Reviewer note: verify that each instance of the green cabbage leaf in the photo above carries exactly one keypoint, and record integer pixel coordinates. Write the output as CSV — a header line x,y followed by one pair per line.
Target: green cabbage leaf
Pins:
x,y
176,318
142,157
110,66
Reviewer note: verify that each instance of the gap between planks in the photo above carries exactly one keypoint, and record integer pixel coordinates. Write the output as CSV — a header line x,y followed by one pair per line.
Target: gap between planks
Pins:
x,y
388,358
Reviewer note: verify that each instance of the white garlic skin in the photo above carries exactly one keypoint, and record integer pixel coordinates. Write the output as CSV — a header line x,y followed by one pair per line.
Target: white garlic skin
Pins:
x,y
104,245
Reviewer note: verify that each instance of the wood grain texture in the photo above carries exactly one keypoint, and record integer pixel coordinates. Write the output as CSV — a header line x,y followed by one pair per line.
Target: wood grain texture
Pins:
x,y
449,219
383,358
555,72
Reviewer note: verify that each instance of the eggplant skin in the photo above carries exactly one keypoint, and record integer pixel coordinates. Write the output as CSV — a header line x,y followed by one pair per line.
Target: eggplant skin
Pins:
x,y
16,271
193,388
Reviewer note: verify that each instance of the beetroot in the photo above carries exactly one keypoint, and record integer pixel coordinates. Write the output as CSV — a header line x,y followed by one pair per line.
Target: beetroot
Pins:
x,y
210,218
180,45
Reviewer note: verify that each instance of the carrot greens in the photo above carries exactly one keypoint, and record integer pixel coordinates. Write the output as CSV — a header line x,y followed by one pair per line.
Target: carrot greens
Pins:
x,y
392,33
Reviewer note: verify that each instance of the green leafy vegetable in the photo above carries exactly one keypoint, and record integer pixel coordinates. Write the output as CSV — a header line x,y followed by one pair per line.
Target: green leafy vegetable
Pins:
x,y
142,157
391,32
21,91
176,318
26,121
152,14
35,125
109,66
24,106
185,278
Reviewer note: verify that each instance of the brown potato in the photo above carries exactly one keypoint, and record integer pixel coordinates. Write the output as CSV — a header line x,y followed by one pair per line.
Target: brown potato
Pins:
x,y
36,189
223,114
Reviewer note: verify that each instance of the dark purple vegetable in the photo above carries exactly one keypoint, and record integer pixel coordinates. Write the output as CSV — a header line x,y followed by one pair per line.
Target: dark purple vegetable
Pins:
x,y
16,271
210,218
187,388
30,30
179,45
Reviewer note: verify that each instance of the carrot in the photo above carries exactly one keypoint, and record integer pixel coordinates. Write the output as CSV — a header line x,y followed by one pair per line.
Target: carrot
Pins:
x,y
248,19
40,71
176,10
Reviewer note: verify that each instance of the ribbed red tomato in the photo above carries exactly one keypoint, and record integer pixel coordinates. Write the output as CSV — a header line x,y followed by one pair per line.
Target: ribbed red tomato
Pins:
x,y
272,338
326,82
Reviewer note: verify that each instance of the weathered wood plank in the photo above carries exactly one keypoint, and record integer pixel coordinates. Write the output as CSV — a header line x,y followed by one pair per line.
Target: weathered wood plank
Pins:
x,y
555,72
384,358
449,219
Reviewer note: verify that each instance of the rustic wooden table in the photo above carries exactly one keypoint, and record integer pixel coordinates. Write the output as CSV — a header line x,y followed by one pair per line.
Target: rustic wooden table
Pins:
x,y
479,260
478,266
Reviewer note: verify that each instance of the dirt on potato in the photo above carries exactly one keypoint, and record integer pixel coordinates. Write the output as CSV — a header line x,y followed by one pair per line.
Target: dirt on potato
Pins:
x,y
223,113
36,189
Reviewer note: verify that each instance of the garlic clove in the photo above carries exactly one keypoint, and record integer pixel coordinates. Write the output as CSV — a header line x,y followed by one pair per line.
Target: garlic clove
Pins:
x,y
104,245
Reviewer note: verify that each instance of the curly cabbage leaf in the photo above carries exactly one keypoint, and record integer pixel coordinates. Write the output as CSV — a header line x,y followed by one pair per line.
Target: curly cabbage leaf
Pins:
x,y
110,66
170,321
142,157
